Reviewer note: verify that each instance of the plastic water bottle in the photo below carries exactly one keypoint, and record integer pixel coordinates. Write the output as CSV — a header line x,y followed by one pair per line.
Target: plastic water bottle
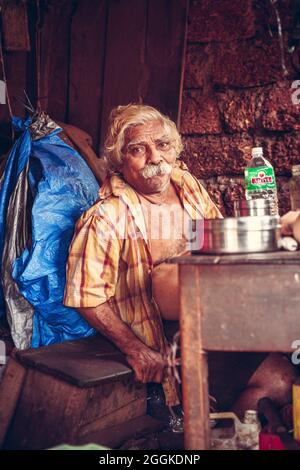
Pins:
x,y
260,179
248,437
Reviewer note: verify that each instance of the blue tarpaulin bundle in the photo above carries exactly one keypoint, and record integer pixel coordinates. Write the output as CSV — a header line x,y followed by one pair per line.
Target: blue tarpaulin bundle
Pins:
x,y
61,187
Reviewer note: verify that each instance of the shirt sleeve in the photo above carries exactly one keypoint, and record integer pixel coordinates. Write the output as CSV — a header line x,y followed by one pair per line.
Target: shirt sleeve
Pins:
x,y
93,262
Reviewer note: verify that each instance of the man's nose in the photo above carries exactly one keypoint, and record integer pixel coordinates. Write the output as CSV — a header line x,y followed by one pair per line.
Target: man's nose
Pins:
x,y
154,155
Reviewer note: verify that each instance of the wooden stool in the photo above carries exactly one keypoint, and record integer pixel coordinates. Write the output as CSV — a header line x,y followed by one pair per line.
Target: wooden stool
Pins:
x,y
65,392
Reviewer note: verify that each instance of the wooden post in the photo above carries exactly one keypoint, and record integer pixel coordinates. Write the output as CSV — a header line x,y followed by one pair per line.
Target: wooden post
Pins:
x,y
194,362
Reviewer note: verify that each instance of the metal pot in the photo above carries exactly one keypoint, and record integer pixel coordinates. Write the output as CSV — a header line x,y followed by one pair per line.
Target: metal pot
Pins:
x,y
241,234
254,207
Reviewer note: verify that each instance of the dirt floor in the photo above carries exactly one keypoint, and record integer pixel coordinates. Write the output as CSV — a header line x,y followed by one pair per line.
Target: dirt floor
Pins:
x,y
162,440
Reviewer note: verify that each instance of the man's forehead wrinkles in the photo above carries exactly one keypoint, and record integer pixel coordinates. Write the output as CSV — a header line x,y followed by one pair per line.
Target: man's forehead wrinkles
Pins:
x,y
136,141
142,131
141,141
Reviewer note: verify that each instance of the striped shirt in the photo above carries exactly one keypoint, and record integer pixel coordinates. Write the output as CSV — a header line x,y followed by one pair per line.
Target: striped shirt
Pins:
x,y
110,259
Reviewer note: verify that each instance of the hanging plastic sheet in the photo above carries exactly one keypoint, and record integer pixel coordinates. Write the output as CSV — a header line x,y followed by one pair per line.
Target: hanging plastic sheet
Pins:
x,y
15,164
62,187
18,310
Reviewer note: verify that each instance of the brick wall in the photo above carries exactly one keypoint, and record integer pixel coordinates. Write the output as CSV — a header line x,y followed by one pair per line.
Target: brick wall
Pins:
x,y
236,95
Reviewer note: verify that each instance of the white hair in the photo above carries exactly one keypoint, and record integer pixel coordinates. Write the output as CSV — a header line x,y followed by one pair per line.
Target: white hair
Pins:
x,y
123,117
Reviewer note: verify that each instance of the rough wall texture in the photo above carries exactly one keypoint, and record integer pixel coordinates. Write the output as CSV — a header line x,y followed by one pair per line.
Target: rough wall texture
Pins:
x,y
237,94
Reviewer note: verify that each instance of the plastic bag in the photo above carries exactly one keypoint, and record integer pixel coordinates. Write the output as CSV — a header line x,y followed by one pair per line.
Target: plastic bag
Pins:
x,y
62,187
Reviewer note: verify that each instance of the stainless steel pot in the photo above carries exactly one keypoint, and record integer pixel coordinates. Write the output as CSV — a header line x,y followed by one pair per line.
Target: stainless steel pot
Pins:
x,y
254,207
241,235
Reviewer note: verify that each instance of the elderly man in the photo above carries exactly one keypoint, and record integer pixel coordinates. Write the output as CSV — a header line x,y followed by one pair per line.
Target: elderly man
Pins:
x,y
118,281
116,275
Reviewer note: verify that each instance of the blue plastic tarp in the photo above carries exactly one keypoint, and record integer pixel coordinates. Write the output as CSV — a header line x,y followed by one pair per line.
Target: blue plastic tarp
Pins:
x,y
63,187
15,164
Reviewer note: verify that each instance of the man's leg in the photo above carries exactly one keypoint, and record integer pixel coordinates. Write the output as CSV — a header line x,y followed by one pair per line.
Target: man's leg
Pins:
x,y
229,374
237,380
273,379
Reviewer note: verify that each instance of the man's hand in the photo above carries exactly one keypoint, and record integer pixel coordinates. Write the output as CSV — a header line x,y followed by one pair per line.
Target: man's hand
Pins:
x,y
287,222
148,365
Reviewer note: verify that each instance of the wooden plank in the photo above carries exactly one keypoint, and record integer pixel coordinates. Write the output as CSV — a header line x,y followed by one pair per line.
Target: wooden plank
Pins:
x,y
144,55
86,66
46,414
83,372
194,362
99,402
31,76
125,68
129,411
52,412
85,363
10,389
276,257
16,70
249,307
54,57
165,46
15,26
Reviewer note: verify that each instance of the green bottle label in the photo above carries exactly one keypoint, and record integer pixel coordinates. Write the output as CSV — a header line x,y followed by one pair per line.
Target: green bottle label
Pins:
x,y
260,178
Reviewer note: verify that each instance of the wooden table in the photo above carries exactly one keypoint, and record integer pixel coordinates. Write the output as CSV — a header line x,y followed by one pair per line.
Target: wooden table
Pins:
x,y
232,303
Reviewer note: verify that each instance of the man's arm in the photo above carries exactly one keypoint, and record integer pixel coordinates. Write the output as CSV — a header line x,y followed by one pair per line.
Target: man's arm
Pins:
x,y
147,364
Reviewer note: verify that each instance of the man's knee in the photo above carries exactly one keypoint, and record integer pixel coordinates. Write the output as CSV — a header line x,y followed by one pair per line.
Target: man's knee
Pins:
x,y
275,377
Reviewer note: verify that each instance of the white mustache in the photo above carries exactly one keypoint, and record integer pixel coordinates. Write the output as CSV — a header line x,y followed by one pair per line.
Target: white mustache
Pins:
x,y
151,170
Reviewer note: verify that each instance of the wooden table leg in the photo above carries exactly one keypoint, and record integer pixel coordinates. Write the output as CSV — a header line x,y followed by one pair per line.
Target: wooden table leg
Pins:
x,y
194,362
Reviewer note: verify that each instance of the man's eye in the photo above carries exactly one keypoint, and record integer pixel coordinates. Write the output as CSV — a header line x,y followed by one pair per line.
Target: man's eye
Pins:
x,y
137,150
163,145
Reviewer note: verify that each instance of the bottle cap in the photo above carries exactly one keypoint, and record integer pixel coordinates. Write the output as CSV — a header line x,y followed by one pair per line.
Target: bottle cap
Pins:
x,y
250,416
296,169
257,152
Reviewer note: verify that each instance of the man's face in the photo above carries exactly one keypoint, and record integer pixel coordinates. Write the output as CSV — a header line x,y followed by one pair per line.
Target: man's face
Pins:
x,y
149,156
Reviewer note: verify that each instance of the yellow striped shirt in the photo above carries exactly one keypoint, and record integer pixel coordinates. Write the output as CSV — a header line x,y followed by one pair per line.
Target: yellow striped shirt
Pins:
x,y
110,259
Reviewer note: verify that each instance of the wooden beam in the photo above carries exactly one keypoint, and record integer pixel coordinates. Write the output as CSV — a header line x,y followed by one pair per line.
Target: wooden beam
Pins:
x,y
54,38
165,45
144,55
125,68
86,66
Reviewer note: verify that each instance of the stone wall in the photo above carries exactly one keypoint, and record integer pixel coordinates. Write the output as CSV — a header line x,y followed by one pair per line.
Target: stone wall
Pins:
x,y
236,95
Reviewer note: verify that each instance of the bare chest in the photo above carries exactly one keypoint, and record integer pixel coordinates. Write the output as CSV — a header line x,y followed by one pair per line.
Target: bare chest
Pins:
x,y
165,225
